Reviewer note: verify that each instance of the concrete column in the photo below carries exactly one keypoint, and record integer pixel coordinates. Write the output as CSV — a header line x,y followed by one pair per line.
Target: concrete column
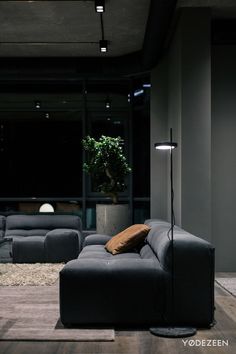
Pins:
x,y
223,156
181,99
196,121
158,130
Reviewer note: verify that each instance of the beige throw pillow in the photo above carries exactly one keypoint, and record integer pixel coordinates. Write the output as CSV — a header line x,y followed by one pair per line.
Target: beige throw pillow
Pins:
x,y
127,239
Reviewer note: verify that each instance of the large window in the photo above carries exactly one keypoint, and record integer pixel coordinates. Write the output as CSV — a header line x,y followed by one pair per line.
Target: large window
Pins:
x,y
41,158
141,148
40,143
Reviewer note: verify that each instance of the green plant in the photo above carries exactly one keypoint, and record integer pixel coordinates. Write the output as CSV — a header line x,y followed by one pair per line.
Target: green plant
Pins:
x,y
106,164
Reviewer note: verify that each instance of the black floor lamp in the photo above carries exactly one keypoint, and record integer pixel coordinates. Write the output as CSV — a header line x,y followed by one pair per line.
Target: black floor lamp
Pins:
x,y
171,331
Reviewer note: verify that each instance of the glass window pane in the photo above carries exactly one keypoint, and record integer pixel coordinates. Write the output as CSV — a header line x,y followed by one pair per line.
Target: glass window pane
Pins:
x,y
113,124
141,141
91,216
141,212
107,114
43,156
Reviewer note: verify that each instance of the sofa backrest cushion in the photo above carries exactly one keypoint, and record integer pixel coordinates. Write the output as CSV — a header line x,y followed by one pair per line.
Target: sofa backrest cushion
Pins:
x,y
159,242
159,239
2,225
186,245
39,225
156,222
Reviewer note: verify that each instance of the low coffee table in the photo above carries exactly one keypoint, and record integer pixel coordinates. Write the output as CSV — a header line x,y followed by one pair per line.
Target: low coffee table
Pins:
x,y
6,250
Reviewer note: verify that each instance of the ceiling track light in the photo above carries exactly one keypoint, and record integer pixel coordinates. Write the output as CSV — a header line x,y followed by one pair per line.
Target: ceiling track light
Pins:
x,y
37,104
103,45
99,6
138,92
108,103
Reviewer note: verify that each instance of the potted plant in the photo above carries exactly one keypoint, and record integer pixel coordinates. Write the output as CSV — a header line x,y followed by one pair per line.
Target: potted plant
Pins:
x,y
108,168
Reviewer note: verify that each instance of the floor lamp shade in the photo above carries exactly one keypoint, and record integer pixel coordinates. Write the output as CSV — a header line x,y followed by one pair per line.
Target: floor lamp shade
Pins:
x,y
165,146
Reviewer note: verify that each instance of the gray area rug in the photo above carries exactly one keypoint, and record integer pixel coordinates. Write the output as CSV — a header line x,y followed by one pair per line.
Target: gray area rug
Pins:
x,y
31,313
228,284
29,274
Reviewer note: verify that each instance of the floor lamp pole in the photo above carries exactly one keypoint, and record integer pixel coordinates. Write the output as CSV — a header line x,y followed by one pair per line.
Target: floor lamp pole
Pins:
x,y
172,227
171,331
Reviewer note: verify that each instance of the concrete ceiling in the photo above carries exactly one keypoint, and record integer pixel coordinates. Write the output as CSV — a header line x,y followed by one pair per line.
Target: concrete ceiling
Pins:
x,y
71,28
219,8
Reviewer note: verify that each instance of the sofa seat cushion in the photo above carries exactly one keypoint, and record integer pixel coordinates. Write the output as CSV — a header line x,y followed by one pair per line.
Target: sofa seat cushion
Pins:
x,y
111,291
26,233
99,252
17,237
28,249
96,239
62,245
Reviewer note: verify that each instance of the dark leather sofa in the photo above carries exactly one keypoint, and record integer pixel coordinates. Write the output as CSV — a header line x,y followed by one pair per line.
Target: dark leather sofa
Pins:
x,y
42,237
134,288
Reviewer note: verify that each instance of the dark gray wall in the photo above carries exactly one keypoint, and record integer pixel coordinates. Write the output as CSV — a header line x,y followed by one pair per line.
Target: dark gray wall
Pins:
x,y
195,94
174,120
158,128
223,156
189,114
196,121
187,93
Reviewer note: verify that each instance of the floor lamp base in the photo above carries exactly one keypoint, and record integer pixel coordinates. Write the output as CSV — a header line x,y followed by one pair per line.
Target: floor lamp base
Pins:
x,y
173,332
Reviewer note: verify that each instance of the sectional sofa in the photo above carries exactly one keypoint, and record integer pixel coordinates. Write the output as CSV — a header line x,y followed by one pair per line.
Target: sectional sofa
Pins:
x,y
134,288
42,237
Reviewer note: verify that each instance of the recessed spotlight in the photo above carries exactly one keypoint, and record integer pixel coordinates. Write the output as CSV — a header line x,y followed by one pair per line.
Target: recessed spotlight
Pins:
x,y
37,104
138,92
103,46
108,103
47,115
99,6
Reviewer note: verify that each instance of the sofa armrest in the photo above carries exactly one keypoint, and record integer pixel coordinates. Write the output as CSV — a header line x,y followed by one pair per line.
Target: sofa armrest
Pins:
x,y
193,273
96,239
62,245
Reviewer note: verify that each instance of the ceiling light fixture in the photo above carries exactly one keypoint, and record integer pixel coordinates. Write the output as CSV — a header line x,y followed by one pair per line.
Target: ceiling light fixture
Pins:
x,y
103,45
37,104
108,103
165,146
138,92
99,6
